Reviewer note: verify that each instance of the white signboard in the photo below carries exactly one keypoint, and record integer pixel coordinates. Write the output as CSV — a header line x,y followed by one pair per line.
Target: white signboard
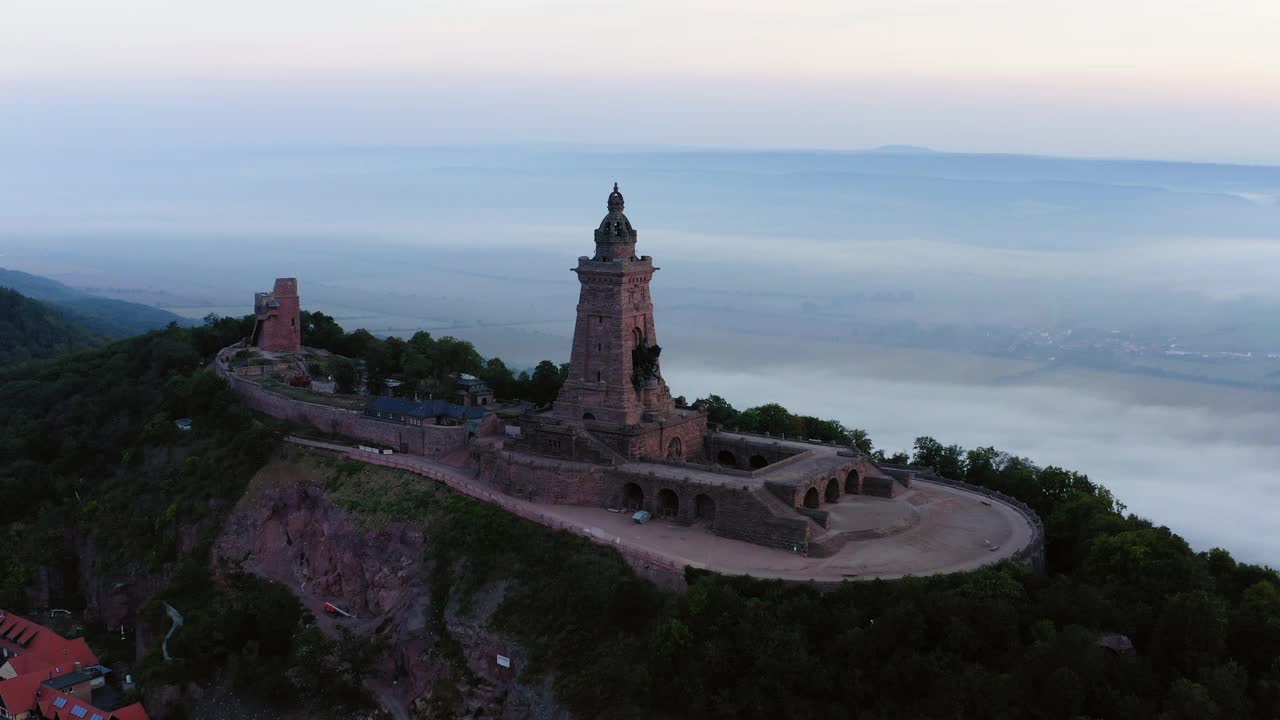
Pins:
x,y
504,661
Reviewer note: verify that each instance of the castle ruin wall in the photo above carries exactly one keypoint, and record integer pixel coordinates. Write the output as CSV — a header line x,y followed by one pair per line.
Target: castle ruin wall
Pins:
x,y
429,440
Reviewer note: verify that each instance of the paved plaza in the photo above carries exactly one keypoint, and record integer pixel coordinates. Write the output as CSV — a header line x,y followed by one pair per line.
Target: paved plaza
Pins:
x,y
944,530
929,529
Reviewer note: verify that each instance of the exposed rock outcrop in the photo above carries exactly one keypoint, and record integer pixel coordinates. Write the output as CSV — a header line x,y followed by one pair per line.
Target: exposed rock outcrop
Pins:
x,y
286,529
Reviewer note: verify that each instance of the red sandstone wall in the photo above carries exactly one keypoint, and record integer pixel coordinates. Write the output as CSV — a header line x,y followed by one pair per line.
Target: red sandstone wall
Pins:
x,y
661,571
282,328
653,445
424,440
546,479
740,514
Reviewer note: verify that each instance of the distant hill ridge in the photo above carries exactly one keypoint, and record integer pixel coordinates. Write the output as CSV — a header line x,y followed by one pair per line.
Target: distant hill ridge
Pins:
x,y
103,316
32,330
902,150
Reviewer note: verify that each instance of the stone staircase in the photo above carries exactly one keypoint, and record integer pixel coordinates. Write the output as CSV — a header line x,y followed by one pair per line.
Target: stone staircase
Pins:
x,y
779,514
822,542
595,450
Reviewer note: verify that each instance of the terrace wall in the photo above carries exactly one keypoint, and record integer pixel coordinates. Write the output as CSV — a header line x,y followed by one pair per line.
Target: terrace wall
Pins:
x,y
429,440
741,512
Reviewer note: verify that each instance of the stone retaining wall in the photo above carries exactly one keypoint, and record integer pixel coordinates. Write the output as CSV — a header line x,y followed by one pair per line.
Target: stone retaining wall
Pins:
x,y
662,571
743,450
739,512
546,480
427,440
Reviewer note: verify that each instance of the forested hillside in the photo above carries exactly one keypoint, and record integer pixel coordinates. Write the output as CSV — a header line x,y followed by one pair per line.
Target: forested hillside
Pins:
x,y
104,502
32,330
104,316
99,491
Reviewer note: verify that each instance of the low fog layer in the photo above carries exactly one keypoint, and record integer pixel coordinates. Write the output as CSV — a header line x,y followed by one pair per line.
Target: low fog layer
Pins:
x,y
1053,308
1207,470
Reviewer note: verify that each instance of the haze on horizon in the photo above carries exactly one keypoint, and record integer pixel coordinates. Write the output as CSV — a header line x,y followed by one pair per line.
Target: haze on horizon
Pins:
x,y
1177,81
432,166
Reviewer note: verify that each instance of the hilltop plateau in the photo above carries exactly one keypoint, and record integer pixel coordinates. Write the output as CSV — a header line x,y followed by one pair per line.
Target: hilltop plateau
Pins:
x,y
111,511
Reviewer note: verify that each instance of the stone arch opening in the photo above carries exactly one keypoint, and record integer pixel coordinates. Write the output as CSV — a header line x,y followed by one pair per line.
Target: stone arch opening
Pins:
x,y
675,449
852,483
811,500
632,497
758,461
833,490
637,337
668,503
726,458
588,416
704,509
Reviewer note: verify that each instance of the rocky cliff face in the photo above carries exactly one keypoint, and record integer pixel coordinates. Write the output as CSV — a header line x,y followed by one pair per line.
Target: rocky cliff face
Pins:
x,y
286,529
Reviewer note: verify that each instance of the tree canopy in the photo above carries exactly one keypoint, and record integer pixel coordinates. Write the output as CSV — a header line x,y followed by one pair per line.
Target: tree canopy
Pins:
x,y
426,365
774,419
99,486
32,330
90,458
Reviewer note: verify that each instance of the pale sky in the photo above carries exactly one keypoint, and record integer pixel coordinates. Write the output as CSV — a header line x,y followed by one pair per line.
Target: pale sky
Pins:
x,y
1169,78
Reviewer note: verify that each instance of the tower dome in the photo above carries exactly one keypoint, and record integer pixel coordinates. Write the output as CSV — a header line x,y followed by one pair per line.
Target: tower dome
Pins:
x,y
615,237
615,200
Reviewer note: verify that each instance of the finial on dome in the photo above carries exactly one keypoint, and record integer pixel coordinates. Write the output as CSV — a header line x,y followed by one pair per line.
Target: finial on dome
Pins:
x,y
615,199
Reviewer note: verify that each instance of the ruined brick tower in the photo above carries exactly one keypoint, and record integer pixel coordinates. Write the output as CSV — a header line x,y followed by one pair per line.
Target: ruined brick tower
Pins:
x,y
615,384
279,324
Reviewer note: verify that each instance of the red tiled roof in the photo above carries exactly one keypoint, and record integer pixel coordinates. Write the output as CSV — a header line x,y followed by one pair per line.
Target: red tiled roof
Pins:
x,y
25,634
48,701
19,694
72,708
131,712
24,664
60,653
50,655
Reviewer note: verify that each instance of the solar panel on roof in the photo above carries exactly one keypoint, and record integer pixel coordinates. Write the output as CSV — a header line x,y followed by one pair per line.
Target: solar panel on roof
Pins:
x,y
79,711
96,716
60,702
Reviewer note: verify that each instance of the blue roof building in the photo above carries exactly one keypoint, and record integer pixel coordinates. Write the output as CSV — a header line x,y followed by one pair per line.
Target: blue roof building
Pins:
x,y
423,412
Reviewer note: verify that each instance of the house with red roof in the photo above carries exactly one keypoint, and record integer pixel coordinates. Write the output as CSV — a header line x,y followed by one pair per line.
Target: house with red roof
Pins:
x,y
44,676
18,697
20,637
23,665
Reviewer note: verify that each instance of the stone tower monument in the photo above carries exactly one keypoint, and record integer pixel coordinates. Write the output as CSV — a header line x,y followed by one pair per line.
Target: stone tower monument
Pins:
x,y
278,326
615,382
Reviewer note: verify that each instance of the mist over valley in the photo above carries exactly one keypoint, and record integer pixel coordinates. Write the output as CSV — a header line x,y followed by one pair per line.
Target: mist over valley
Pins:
x,y
1114,317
